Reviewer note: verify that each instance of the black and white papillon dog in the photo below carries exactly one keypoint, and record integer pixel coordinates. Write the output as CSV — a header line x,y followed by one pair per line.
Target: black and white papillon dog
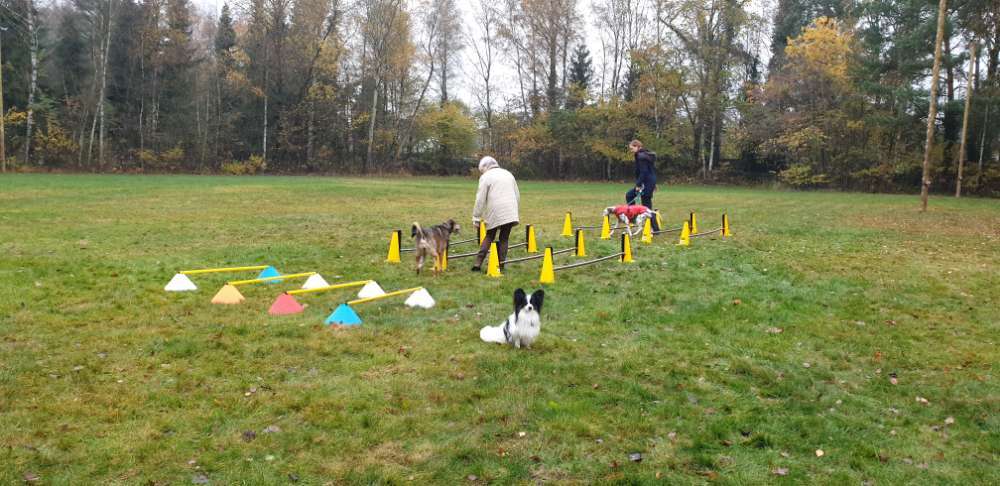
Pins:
x,y
522,327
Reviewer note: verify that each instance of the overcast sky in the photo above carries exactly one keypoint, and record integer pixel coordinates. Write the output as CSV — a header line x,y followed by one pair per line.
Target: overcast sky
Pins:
x,y
504,72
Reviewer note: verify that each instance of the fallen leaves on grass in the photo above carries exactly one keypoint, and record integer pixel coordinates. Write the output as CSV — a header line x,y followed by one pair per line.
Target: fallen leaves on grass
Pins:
x,y
472,477
199,479
249,435
272,429
737,301
893,379
949,420
923,401
31,477
780,471
635,457
614,465
820,453
775,330
522,433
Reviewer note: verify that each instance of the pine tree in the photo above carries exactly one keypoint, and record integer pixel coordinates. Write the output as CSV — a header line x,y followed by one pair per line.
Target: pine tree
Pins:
x,y
580,75
225,36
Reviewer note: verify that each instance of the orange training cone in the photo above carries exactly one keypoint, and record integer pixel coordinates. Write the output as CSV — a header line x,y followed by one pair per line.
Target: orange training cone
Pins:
x,y
228,294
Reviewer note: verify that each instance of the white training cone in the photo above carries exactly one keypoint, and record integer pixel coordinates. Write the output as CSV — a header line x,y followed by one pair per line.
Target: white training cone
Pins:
x,y
371,289
315,281
493,334
180,283
421,298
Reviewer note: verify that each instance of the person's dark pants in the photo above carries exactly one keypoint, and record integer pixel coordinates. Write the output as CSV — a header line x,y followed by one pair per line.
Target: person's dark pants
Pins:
x,y
502,236
647,200
647,197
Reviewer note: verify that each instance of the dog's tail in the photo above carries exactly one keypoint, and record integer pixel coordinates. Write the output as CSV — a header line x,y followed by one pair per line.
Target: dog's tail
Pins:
x,y
416,230
493,334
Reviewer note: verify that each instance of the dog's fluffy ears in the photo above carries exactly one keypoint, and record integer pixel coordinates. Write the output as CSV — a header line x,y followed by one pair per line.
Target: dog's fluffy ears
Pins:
x,y
521,300
415,229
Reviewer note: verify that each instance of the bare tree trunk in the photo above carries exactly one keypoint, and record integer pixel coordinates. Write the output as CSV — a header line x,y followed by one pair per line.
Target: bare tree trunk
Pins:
x,y
932,112
965,119
310,131
33,44
369,163
104,87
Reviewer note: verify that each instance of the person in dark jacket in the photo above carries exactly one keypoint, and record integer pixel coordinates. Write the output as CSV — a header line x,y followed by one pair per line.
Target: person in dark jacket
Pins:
x,y
645,175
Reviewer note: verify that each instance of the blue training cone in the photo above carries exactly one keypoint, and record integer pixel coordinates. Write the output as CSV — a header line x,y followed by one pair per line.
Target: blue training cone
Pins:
x,y
344,316
270,272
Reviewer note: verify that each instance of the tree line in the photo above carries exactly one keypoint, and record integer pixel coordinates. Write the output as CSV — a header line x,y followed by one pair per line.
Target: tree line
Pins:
x,y
812,93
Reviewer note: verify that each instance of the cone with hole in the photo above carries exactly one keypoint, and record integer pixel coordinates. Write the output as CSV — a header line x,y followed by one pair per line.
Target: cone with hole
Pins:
x,y
493,267
606,228
647,231
482,232
694,223
626,248
685,238
228,294
285,304
725,225
581,245
393,256
568,225
529,237
548,274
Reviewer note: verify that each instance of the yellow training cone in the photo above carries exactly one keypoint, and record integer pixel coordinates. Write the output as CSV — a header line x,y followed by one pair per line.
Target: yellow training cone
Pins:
x,y
647,231
659,221
482,232
444,260
606,228
568,225
530,238
725,225
626,248
493,269
694,223
581,246
685,239
228,295
548,274
393,256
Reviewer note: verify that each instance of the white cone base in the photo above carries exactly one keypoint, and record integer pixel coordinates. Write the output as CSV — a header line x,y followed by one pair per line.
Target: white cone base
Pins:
x,y
421,298
180,283
371,289
315,281
492,334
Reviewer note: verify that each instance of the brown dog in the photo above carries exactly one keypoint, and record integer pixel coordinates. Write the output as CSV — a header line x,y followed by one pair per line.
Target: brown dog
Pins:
x,y
433,242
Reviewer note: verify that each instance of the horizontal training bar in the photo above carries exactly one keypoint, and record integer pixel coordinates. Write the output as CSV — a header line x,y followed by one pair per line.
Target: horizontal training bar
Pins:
x,y
379,297
588,262
404,250
536,257
329,287
567,250
221,270
270,279
716,230
474,253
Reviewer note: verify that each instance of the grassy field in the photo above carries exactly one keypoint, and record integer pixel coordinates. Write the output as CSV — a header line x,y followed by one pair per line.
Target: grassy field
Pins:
x,y
732,361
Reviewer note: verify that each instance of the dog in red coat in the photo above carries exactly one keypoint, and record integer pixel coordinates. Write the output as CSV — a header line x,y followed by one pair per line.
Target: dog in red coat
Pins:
x,y
628,215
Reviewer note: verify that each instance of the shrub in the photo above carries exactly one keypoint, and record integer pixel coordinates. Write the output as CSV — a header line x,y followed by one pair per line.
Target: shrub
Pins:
x,y
251,166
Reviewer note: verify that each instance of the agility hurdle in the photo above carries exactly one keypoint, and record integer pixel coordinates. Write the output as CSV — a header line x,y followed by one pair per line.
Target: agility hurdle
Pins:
x,y
345,315
396,237
229,294
182,283
286,303
548,273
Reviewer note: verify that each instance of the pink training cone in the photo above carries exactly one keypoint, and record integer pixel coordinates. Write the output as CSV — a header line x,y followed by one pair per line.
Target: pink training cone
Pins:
x,y
285,304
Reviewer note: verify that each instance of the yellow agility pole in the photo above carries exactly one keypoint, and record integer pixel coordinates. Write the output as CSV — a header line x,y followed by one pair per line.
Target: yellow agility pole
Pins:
x,y
222,270
271,279
358,283
344,315
383,296
286,304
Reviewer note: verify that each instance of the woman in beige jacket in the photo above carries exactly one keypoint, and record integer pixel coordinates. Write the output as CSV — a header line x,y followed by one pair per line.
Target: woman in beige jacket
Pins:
x,y
497,203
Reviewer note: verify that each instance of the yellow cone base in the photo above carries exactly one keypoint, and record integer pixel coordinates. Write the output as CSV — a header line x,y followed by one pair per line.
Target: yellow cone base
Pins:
x,y
606,228
393,256
482,232
228,295
581,245
548,274
725,226
530,238
493,268
685,239
626,248
647,231
568,225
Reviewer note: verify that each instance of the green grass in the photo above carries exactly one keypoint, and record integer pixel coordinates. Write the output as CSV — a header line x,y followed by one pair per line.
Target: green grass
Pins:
x,y
106,378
